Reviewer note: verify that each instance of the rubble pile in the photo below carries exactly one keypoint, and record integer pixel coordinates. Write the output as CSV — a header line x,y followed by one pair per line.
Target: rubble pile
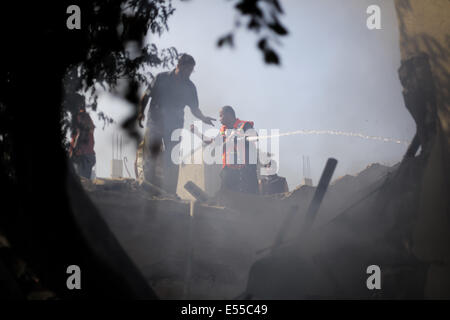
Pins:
x,y
204,250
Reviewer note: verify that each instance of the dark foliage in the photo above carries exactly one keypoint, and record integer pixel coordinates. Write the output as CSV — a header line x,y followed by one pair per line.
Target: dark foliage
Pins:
x,y
44,64
263,20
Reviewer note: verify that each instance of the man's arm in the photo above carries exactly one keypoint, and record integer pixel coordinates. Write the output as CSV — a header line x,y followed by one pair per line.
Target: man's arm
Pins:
x,y
144,100
143,103
73,142
199,115
193,105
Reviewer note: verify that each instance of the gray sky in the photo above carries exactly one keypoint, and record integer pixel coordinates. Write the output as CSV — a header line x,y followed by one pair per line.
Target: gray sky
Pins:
x,y
335,75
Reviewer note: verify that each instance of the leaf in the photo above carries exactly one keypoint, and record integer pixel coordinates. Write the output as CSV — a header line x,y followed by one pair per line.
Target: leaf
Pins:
x,y
249,7
226,40
271,57
277,27
262,44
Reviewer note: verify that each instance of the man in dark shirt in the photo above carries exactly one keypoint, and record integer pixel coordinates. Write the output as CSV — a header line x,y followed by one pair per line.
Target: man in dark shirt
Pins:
x,y
170,92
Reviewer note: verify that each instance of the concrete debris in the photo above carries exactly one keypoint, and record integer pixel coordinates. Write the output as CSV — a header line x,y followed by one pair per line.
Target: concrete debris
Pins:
x,y
226,237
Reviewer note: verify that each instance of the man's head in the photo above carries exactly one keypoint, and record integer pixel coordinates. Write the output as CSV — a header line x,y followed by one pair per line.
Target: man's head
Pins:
x,y
185,66
227,116
75,102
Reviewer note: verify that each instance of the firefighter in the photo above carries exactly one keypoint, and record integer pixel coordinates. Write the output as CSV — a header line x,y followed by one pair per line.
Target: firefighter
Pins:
x,y
239,161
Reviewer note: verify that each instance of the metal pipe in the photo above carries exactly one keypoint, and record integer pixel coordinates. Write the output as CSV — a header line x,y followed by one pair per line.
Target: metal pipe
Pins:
x,y
320,193
196,192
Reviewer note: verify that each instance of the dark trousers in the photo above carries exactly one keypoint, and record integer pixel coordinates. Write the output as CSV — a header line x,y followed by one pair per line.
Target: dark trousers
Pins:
x,y
84,164
240,180
159,168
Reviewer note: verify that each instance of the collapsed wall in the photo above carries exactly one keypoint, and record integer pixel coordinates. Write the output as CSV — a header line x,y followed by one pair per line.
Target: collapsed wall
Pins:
x,y
424,29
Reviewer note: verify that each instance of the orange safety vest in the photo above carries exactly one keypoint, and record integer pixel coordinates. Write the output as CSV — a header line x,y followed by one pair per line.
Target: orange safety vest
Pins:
x,y
227,160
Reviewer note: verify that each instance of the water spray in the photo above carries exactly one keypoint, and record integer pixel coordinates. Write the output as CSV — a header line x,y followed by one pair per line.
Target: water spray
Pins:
x,y
331,132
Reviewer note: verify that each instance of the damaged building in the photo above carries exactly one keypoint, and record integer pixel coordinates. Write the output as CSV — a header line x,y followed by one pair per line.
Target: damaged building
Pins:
x,y
312,242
